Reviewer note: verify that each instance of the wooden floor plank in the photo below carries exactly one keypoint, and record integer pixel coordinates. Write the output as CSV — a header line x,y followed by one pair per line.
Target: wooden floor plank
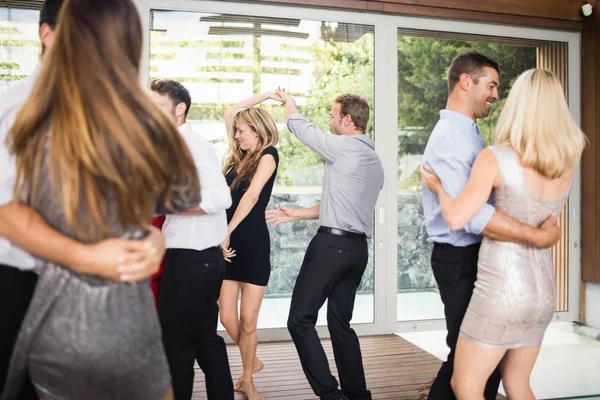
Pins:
x,y
395,369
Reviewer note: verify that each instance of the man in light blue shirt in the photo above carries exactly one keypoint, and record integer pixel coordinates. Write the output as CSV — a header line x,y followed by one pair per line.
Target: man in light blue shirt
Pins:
x,y
451,151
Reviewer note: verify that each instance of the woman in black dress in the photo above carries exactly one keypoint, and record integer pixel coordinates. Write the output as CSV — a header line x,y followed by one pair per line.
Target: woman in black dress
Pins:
x,y
250,171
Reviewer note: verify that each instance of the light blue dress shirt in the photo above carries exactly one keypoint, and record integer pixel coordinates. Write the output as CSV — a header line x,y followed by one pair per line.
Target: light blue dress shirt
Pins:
x,y
451,151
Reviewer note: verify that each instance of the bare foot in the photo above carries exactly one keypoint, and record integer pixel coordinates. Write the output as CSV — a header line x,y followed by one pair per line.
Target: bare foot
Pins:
x,y
239,383
251,392
257,367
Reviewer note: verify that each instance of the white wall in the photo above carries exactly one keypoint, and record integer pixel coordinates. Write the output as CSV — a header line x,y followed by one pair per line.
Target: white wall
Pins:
x,y
592,305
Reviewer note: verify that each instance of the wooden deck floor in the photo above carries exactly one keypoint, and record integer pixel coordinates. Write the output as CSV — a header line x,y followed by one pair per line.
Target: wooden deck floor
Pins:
x,y
395,369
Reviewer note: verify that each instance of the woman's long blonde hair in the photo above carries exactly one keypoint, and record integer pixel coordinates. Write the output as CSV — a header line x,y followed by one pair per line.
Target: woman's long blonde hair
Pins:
x,y
537,124
244,162
90,122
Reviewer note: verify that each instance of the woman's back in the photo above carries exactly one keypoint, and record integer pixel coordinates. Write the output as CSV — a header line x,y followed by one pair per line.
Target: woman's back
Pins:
x,y
110,156
514,296
103,335
524,194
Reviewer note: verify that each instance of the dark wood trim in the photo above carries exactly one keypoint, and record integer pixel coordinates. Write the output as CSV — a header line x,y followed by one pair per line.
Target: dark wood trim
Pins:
x,y
478,16
527,17
590,123
551,9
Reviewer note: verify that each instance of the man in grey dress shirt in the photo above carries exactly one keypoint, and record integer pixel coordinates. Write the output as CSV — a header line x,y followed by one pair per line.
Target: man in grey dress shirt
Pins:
x,y
337,256
452,148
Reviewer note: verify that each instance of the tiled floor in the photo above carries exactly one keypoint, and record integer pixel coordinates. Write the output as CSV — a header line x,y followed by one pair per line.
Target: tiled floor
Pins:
x,y
568,365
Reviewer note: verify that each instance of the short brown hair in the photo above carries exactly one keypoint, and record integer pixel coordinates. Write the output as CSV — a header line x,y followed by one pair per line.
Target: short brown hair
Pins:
x,y
357,108
175,90
471,63
49,12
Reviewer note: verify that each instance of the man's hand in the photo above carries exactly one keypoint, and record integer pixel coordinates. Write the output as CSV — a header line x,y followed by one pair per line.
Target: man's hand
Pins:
x,y
279,216
124,260
550,232
284,96
288,102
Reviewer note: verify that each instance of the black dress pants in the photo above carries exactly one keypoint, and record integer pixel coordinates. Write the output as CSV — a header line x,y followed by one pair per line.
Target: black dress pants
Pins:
x,y
16,291
455,270
188,313
332,269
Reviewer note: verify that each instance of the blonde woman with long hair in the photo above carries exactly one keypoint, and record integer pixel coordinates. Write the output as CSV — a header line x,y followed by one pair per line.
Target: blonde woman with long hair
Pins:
x,y
96,159
250,171
528,173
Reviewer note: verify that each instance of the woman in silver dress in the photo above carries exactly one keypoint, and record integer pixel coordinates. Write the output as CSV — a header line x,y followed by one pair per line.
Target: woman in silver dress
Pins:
x,y
528,173
94,158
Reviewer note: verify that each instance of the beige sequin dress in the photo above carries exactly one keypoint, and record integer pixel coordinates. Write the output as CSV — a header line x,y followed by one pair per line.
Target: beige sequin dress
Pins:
x,y
514,297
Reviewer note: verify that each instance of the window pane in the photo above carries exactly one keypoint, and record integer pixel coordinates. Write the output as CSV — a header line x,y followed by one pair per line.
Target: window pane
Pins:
x,y
223,59
422,93
19,45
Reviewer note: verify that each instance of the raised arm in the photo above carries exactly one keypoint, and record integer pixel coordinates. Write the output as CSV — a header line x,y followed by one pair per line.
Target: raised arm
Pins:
x,y
327,146
251,102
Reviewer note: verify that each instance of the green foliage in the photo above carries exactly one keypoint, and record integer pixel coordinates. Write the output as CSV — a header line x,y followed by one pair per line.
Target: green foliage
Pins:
x,y
348,67
339,68
9,65
7,30
412,183
422,83
423,87
216,44
162,56
20,43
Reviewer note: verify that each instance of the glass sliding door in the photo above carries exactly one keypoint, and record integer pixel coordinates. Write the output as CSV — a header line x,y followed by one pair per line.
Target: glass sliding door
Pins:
x,y
423,59
224,52
225,58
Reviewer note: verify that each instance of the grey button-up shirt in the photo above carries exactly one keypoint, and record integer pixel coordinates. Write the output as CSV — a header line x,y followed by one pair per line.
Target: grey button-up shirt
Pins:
x,y
353,176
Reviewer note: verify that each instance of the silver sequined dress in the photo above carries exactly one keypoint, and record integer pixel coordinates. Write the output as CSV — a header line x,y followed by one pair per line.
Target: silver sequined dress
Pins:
x,y
86,338
514,297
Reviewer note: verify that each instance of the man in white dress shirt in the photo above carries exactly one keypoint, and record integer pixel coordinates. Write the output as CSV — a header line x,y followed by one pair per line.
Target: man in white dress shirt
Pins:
x,y
194,266
25,235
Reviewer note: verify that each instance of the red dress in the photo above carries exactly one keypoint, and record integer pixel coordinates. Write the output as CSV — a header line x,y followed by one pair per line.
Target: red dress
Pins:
x,y
155,279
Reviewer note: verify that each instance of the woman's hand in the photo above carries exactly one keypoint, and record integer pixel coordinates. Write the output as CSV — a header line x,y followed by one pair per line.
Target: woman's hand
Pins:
x,y
430,179
228,252
273,96
284,96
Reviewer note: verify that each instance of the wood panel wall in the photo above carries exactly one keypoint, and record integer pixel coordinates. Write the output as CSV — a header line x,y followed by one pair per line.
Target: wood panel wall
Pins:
x,y
559,14
590,123
554,57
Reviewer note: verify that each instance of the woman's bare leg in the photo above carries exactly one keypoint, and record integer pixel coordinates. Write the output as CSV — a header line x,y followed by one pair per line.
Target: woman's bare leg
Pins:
x,y
228,305
473,365
252,297
516,370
